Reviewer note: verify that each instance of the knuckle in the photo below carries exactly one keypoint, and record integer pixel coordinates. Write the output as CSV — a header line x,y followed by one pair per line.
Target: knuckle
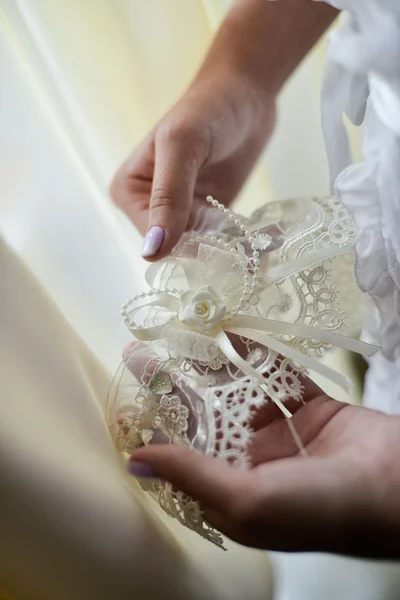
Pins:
x,y
183,131
162,198
188,133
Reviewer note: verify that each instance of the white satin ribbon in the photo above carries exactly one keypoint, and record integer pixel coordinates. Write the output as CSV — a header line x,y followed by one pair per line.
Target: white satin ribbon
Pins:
x,y
303,262
300,357
253,328
305,331
187,267
226,346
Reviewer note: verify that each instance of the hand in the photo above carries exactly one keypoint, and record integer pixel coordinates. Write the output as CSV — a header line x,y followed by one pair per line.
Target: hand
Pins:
x,y
342,497
207,144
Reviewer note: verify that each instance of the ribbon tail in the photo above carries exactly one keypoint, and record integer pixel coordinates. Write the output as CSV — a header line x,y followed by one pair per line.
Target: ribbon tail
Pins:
x,y
226,346
307,361
149,334
306,331
279,404
304,262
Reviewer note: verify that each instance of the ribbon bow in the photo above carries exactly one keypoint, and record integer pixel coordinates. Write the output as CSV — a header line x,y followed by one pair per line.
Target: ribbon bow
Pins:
x,y
198,308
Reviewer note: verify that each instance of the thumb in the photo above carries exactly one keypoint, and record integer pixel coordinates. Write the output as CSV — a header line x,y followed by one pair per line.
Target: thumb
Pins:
x,y
175,172
211,481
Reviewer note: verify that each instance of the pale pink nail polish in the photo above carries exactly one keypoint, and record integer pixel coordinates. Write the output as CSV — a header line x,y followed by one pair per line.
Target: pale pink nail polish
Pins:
x,y
139,469
153,241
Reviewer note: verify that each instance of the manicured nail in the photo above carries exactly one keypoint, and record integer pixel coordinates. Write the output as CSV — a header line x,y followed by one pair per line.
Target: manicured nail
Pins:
x,y
153,241
139,469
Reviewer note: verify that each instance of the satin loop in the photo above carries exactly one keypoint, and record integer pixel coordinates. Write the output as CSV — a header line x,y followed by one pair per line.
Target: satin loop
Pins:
x,y
161,268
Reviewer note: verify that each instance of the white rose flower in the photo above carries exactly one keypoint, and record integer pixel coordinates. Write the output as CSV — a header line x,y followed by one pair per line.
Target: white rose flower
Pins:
x,y
201,308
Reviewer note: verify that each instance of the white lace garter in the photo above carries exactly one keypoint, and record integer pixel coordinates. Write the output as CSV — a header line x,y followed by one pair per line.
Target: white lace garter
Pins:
x,y
229,322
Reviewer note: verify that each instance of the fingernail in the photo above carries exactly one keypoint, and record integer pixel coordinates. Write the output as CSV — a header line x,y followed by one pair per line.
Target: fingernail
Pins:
x,y
153,241
139,469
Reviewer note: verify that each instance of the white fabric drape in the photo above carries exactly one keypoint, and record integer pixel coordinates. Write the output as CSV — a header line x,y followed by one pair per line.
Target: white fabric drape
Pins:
x,y
82,81
73,524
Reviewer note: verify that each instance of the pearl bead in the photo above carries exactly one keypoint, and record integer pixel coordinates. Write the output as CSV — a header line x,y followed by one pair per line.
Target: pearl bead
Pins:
x,y
256,262
209,198
214,202
226,211
256,254
256,269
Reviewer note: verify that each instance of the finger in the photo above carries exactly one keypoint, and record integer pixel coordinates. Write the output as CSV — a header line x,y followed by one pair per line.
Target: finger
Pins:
x,y
177,160
131,186
283,438
211,481
270,412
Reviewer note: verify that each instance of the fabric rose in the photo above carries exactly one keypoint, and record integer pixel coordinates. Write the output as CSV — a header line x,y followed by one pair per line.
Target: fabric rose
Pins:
x,y
201,308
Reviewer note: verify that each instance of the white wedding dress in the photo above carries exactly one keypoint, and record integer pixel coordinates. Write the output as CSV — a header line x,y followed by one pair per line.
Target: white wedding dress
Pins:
x,y
362,80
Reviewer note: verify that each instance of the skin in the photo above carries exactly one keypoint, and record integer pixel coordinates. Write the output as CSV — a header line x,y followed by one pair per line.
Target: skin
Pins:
x,y
208,143
343,497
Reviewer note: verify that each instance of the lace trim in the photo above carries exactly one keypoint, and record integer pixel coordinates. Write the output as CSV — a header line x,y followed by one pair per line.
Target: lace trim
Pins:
x,y
192,381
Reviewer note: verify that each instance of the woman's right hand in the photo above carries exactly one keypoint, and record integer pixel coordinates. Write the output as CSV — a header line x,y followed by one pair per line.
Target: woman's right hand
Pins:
x,y
210,140
207,144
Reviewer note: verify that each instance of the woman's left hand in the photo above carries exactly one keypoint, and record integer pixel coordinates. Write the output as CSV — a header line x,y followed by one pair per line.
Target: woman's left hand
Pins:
x,y
341,498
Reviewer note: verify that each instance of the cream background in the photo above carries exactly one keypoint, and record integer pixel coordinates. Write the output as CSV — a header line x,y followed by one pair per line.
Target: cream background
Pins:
x,y
73,524
81,82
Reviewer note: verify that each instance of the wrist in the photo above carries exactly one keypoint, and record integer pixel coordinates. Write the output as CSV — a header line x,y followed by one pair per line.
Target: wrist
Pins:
x,y
264,41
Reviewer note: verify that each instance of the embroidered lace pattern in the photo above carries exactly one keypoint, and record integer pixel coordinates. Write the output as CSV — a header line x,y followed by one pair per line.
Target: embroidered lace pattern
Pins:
x,y
230,322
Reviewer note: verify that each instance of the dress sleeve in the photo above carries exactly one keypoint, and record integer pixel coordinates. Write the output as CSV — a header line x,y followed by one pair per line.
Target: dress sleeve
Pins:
x,y
362,81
